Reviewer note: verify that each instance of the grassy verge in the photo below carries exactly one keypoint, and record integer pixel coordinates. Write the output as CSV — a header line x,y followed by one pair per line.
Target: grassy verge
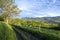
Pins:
x,y
6,32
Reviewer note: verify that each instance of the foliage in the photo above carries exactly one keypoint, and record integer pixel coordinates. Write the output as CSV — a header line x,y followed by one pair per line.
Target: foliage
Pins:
x,y
33,24
4,2
9,10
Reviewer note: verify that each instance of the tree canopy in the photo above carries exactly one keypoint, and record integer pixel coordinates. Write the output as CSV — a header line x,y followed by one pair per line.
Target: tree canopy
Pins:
x,y
9,9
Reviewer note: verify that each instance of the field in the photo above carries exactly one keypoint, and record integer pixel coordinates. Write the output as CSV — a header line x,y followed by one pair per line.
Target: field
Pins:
x,y
28,30
41,34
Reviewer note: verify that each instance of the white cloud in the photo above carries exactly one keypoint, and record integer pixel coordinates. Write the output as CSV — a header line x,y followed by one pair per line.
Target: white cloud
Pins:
x,y
39,16
54,1
37,8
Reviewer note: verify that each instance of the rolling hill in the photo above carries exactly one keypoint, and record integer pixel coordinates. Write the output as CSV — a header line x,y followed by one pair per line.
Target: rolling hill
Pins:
x,y
6,32
44,19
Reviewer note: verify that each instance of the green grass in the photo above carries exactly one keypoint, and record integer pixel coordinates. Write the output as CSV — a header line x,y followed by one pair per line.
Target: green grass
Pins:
x,y
42,34
6,32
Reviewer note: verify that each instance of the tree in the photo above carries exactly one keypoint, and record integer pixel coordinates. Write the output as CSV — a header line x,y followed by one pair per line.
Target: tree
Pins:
x,y
10,10
4,2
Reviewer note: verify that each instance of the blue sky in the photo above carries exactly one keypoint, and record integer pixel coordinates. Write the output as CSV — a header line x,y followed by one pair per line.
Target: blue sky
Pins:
x,y
39,8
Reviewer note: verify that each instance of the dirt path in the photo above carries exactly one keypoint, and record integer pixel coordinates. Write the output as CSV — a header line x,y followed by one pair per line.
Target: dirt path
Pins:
x,y
28,35
31,37
18,35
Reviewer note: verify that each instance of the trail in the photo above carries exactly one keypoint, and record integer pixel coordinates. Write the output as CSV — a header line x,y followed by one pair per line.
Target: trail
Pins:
x,y
17,35
31,37
28,35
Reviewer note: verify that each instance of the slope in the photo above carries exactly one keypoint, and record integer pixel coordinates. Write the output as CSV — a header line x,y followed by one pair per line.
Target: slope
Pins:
x,y
6,32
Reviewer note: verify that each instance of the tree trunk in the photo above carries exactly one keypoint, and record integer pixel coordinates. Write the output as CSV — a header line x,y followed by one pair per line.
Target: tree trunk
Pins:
x,y
6,20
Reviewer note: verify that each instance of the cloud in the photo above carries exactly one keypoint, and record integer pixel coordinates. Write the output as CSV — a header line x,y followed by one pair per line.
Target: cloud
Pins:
x,y
38,8
54,1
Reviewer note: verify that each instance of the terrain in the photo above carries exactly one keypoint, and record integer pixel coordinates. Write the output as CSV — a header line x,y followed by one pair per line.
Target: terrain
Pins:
x,y
31,29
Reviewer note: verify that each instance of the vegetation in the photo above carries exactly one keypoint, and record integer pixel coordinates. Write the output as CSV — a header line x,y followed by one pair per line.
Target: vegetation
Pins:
x,y
35,29
8,10
45,28
42,33
24,37
34,24
6,32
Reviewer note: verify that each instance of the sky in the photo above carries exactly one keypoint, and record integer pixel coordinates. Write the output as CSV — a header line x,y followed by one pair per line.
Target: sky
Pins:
x,y
38,8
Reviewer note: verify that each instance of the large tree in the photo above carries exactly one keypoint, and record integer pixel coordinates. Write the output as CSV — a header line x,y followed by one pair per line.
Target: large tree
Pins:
x,y
9,10
4,2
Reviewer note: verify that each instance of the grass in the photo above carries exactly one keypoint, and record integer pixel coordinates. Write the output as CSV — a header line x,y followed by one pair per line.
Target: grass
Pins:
x,y
42,34
25,35
22,34
6,32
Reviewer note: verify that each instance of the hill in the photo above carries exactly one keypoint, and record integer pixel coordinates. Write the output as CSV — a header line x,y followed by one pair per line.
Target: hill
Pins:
x,y
44,19
6,32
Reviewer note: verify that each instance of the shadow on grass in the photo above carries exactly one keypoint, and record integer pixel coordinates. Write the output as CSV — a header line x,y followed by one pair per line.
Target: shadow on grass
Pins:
x,y
18,35
55,28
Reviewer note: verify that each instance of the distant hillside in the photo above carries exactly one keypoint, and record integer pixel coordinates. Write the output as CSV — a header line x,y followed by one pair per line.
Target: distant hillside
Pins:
x,y
45,19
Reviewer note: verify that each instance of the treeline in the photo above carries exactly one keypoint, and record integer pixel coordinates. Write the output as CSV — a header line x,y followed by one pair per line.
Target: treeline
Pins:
x,y
34,24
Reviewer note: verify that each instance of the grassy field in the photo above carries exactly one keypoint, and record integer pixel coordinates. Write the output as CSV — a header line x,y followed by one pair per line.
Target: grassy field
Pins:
x,y
6,32
25,35
42,33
